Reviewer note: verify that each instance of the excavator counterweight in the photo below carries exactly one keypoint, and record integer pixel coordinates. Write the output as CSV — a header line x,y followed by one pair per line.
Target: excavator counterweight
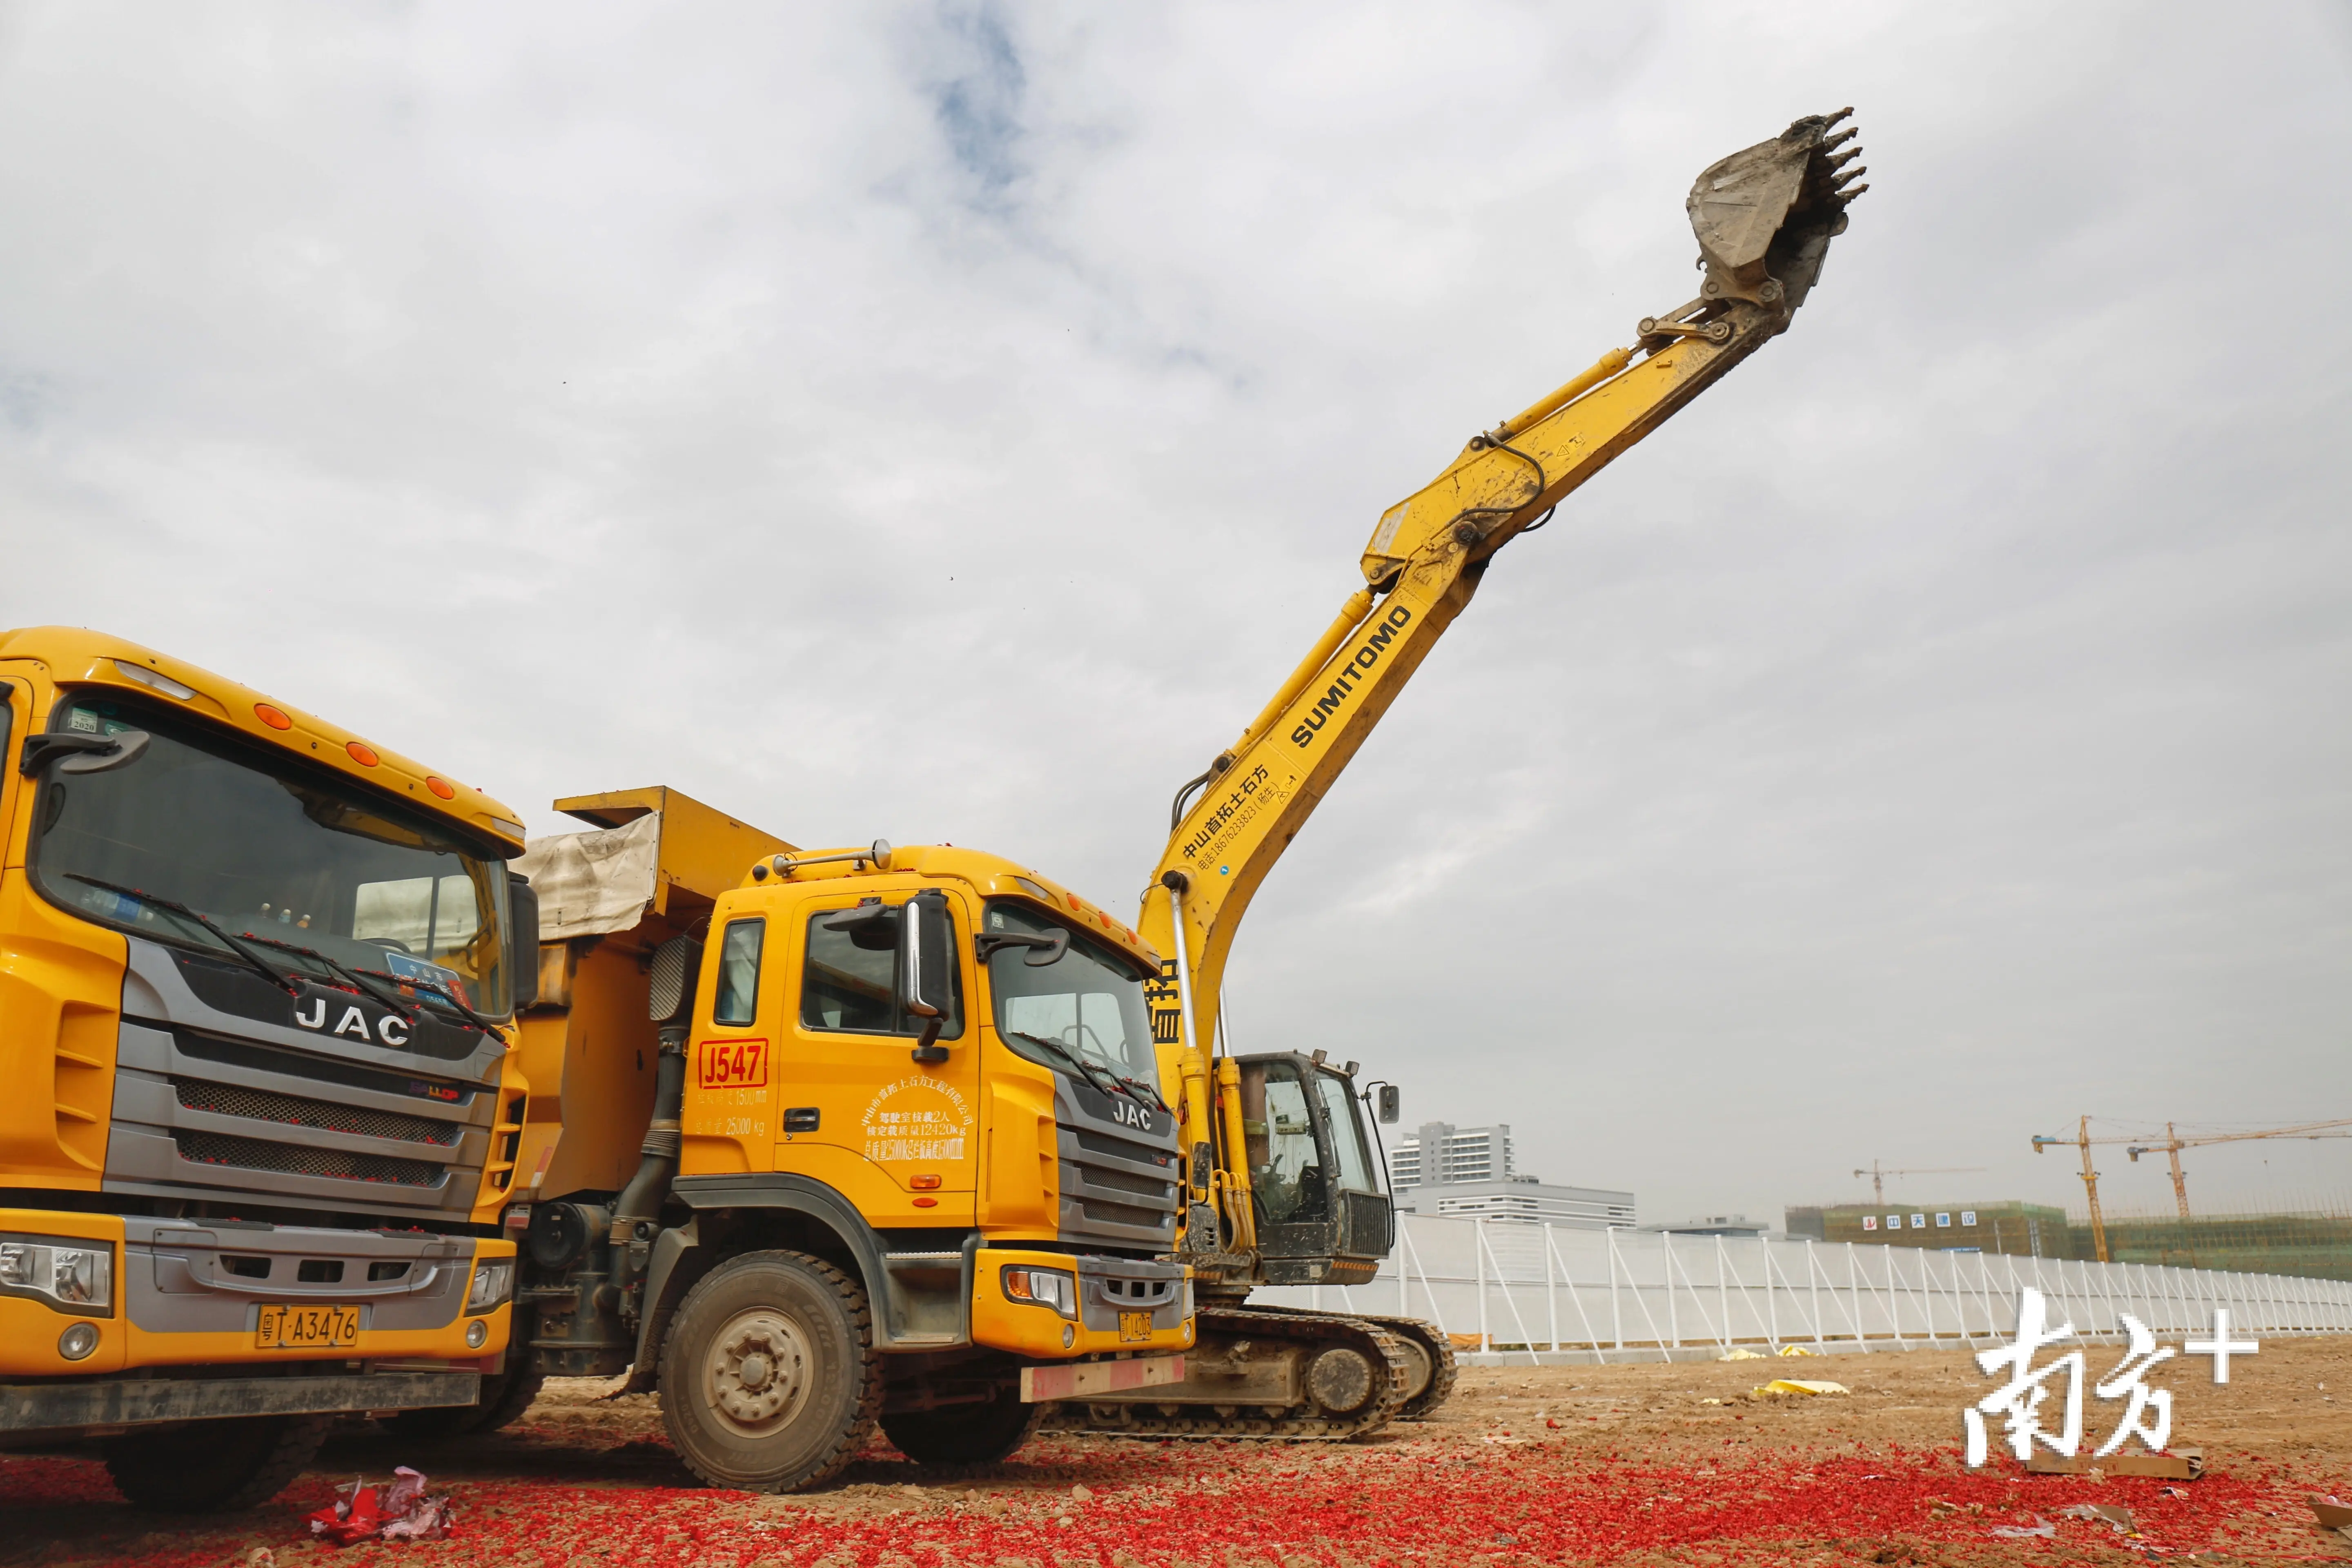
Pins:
x,y
1278,1187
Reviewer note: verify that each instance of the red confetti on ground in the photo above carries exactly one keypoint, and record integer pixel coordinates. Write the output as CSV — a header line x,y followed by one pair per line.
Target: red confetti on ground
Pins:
x,y
1408,1505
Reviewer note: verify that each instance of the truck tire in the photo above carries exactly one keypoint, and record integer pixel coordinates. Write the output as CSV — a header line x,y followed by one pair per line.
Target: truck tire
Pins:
x,y
214,1466
505,1396
964,1434
769,1377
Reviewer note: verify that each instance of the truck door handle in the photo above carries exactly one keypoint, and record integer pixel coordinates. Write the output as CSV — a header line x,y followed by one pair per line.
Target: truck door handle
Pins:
x,y
799,1119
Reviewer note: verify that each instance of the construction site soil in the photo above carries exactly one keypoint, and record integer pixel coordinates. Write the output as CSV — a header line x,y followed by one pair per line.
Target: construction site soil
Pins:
x,y
1646,1465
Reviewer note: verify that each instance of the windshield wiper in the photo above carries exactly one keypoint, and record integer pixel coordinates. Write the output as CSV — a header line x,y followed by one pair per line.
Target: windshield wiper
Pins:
x,y
173,905
1133,1083
388,998
1100,1078
434,988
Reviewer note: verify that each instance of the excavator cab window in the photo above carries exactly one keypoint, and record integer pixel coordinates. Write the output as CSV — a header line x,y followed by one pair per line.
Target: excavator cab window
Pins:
x,y
1350,1164
1287,1167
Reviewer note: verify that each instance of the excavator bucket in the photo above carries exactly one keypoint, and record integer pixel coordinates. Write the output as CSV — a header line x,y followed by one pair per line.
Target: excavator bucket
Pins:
x,y
1765,217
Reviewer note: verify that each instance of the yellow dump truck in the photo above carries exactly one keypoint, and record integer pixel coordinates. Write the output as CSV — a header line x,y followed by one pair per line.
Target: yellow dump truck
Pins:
x,y
261,1108
822,1138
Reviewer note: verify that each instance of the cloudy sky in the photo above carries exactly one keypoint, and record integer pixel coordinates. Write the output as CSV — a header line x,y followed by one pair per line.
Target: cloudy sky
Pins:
x,y
950,422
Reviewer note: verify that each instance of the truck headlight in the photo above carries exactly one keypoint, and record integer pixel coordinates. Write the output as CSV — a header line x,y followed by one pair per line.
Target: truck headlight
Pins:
x,y
492,1282
1044,1288
68,1274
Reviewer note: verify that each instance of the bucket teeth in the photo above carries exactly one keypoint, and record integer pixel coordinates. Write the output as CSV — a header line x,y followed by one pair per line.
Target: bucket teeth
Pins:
x,y
1765,216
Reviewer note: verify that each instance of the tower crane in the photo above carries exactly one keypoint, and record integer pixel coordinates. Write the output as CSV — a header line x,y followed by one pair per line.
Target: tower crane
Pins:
x,y
1878,1177
2174,1143
2083,1141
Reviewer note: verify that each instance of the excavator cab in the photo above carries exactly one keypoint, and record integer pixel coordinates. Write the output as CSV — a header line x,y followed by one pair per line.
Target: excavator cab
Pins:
x,y
1322,1217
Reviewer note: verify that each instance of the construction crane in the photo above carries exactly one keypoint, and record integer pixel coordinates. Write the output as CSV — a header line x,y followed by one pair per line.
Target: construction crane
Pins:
x,y
1878,1177
2174,1143
2083,1141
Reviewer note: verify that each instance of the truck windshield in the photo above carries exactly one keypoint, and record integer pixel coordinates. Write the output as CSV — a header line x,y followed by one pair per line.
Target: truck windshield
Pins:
x,y
1087,1001
263,846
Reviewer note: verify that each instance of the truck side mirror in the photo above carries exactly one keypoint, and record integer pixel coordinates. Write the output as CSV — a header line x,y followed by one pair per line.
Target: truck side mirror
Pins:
x,y
522,941
925,952
1391,1103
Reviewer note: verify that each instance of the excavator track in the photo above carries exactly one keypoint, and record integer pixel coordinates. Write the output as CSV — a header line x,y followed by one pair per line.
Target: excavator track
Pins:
x,y
1443,1368
1269,1341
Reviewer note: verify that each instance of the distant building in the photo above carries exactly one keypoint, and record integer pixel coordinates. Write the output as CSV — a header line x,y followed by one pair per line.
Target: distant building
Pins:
x,y
1469,1172
1525,1199
1442,1152
1714,1225
2021,1229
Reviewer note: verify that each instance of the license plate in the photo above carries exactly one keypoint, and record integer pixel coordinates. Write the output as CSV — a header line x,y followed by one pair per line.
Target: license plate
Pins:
x,y
307,1327
1134,1327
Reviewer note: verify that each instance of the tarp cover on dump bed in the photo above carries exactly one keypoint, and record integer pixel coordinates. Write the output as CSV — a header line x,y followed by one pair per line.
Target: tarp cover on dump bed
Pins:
x,y
593,882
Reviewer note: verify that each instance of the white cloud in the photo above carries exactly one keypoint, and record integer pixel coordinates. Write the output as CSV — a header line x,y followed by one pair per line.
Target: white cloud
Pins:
x,y
950,423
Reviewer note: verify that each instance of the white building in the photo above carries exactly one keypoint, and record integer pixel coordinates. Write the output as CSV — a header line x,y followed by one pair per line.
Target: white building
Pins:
x,y
1469,1172
1460,1155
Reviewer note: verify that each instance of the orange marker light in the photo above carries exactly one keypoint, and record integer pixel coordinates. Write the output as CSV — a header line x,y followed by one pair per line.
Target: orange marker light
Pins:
x,y
927,1202
440,787
271,716
362,754
923,1184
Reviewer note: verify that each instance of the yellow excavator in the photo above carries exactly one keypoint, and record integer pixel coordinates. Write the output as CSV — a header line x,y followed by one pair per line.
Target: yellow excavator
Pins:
x,y
1281,1187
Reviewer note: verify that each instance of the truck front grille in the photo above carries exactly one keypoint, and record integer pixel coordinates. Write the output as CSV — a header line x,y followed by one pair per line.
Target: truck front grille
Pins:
x,y
291,1159
1117,1190
292,1110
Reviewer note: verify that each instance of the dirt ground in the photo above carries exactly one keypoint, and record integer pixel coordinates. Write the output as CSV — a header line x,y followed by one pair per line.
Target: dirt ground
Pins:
x,y
1647,1465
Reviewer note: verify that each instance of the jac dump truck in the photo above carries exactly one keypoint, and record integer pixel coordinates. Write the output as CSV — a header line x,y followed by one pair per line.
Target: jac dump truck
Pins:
x,y
822,1138
261,1109
1281,1185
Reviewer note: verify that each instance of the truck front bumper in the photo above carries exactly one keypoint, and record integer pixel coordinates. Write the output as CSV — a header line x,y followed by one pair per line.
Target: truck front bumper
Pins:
x,y
46,1411
1140,1306
195,1293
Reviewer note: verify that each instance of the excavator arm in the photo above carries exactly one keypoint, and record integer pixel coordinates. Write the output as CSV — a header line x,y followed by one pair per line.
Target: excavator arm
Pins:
x,y
1764,218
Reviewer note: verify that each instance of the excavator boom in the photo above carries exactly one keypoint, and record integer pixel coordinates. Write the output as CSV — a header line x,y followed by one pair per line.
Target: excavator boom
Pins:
x,y
1764,218
1266,1152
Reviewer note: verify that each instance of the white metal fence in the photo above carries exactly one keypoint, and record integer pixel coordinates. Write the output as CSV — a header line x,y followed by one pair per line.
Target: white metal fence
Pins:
x,y
1516,1292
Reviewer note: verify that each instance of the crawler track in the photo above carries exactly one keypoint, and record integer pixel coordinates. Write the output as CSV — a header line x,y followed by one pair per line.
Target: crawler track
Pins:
x,y
1442,1367
1190,1411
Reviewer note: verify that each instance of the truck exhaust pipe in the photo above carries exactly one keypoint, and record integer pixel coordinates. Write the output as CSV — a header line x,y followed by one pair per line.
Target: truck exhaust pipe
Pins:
x,y
637,1211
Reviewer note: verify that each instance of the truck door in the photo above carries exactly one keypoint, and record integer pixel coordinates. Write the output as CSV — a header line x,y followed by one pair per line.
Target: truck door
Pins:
x,y
730,1120
899,1138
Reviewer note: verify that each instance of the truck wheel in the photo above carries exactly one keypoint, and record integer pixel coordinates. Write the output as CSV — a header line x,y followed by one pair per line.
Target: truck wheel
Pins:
x,y
768,1378
214,1466
964,1434
505,1396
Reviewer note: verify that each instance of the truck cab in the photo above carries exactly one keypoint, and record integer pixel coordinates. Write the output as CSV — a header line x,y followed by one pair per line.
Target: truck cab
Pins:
x,y
825,1139
256,979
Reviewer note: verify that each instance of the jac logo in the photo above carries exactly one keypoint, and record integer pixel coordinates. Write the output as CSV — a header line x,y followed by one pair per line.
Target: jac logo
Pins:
x,y
1129,1114
732,1064
312,1011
